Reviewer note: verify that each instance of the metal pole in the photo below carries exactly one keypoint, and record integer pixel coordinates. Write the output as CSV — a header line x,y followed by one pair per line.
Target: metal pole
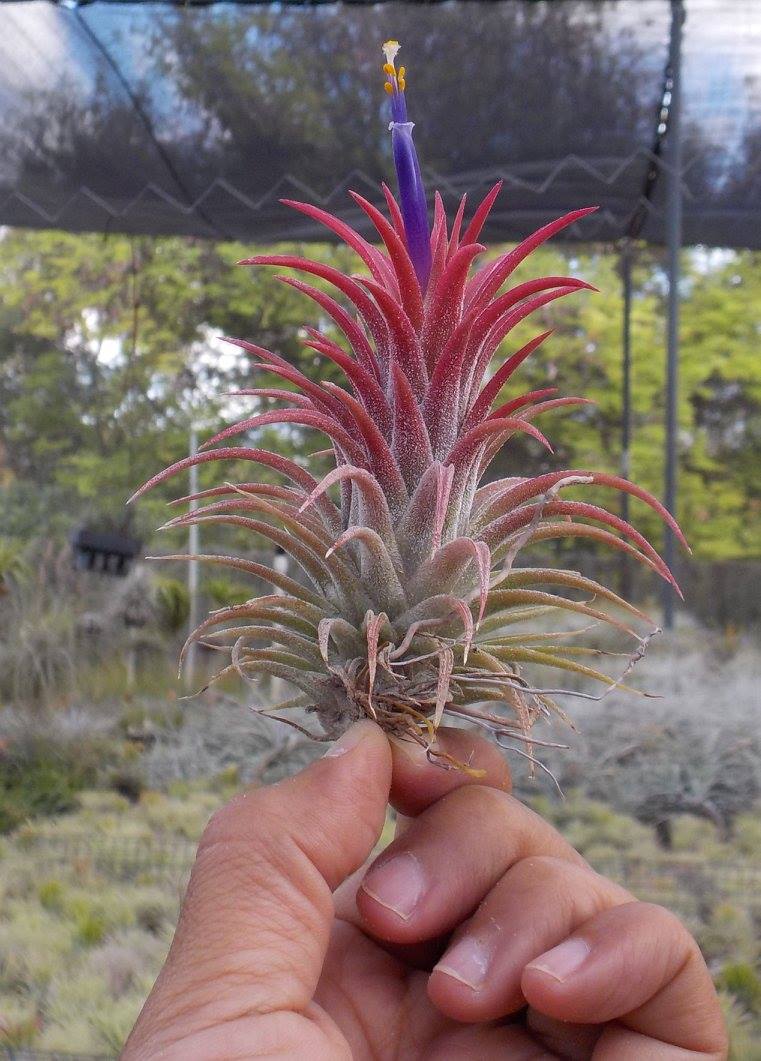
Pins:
x,y
626,399
674,243
193,566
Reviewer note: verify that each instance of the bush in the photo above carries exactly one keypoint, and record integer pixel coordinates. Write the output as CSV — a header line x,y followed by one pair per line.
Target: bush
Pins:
x,y
46,761
37,788
217,736
19,1021
224,593
743,982
172,603
13,564
91,927
51,895
729,932
128,782
695,750
743,1030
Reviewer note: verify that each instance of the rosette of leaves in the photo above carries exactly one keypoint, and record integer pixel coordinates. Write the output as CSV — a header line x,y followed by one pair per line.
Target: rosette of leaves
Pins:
x,y
411,606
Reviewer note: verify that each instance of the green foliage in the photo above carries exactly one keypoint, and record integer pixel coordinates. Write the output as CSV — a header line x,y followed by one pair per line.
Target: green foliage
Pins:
x,y
13,565
720,385
729,930
172,603
742,1029
90,927
45,762
100,329
742,981
50,893
40,786
223,592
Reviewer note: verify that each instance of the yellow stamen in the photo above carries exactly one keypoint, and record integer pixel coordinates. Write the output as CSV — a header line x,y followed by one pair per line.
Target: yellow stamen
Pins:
x,y
402,71
401,83
388,68
389,87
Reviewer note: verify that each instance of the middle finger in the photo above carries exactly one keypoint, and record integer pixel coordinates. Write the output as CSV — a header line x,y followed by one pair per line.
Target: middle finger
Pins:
x,y
538,903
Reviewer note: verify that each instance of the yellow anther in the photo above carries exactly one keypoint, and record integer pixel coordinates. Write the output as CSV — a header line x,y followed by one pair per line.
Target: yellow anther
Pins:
x,y
389,87
388,68
402,71
402,84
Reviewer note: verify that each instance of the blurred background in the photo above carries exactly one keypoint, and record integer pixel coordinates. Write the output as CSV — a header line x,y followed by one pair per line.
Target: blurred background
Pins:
x,y
144,148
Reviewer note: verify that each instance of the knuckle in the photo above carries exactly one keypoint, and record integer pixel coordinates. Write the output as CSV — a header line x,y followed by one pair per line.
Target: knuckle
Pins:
x,y
541,869
477,799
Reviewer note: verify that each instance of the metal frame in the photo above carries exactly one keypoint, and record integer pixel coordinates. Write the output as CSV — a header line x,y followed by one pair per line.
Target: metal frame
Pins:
x,y
674,247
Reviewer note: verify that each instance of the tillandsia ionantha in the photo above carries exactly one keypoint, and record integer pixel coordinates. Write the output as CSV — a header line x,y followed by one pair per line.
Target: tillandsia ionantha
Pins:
x,y
410,606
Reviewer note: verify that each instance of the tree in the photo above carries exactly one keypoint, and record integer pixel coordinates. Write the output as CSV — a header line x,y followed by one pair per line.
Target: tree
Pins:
x,y
94,333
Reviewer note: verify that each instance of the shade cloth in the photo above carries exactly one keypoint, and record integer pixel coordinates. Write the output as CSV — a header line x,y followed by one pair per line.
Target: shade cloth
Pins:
x,y
157,118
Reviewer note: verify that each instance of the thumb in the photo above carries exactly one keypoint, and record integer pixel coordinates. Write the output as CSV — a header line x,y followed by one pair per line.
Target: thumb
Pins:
x,y
256,919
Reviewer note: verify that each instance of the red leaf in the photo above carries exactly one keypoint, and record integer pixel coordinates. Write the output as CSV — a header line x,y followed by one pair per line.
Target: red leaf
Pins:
x,y
530,488
410,442
444,300
409,287
374,510
278,393
496,310
483,210
505,324
345,284
498,530
365,384
404,337
470,442
438,249
369,255
501,376
319,421
489,280
523,399
393,209
554,403
382,460
280,464
454,239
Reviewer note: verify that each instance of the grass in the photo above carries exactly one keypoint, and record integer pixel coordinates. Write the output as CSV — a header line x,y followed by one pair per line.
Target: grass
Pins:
x,y
89,902
103,807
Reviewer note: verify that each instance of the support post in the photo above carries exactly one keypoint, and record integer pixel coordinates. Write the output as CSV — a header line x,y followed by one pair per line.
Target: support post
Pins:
x,y
674,244
626,400
191,660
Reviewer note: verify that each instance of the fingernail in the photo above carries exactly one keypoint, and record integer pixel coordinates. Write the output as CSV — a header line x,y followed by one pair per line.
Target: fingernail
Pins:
x,y
348,740
563,961
397,884
468,961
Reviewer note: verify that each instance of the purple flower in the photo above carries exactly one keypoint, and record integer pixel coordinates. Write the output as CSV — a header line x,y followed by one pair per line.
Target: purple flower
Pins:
x,y
411,190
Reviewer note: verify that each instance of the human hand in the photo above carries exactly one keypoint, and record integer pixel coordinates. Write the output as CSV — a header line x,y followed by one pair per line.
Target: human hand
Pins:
x,y
478,933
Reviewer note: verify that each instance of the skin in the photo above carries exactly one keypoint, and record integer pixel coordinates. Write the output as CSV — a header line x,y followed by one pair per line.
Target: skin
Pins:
x,y
478,933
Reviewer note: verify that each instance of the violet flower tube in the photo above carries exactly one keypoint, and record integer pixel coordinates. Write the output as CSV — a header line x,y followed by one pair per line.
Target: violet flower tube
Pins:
x,y
411,191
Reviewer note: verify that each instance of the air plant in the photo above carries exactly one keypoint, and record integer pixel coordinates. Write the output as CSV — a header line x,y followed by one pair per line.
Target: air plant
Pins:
x,y
410,607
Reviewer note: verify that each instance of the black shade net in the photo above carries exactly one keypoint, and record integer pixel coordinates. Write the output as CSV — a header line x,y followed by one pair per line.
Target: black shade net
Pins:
x,y
154,118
